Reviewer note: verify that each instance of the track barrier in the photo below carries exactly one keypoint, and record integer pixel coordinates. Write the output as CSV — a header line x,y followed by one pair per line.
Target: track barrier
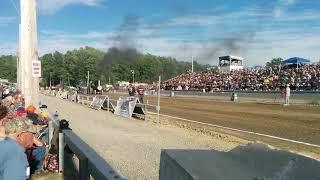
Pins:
x,y
90,163
106,103
252,161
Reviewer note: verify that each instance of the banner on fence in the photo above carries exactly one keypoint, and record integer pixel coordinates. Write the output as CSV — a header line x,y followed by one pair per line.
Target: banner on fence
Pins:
x,y
109,107
72,96
126,106
97,102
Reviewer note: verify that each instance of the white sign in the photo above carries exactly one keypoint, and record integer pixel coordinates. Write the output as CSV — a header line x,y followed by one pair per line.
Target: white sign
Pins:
x,y
36,68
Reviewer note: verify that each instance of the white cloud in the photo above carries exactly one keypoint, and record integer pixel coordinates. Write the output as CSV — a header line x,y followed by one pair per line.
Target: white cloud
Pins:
x,y
287,2
62,35
4,21
51,41
278,13
194,20
7,48
52,6
306,15
280,8
265,46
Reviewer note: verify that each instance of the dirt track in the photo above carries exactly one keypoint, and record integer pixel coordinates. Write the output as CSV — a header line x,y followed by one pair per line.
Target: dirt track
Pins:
x,y
298,122
133,147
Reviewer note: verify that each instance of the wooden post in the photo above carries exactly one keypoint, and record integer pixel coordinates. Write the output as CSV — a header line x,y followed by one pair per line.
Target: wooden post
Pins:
x,y
146,106
88,81
61,152
51,129
158,107
108,106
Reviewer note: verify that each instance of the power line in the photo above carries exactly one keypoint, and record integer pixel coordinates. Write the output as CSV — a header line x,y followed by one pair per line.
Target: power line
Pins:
x,y
15,7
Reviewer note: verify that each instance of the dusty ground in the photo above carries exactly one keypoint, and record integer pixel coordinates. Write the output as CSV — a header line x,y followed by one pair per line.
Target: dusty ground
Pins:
x,y
133,146
297,122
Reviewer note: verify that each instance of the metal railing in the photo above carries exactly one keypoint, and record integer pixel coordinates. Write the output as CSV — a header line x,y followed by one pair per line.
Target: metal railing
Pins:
x,y
91,164
86,100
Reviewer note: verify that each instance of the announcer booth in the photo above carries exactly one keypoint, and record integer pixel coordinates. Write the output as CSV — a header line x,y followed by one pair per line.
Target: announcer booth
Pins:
x,y
230,63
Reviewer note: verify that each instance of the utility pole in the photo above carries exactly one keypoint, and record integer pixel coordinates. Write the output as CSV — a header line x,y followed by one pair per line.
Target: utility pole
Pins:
x,y
132,72
88,79
18,64
68,79
192,64
28,52
20,68
50,81
158,105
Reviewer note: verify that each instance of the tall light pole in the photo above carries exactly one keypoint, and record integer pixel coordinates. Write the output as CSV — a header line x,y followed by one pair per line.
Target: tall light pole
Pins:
x,y
88,78
69,79
28,51
192,64
50,80
132,72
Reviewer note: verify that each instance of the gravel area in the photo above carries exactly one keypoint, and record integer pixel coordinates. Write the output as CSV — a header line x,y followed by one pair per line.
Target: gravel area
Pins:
x,y
133,146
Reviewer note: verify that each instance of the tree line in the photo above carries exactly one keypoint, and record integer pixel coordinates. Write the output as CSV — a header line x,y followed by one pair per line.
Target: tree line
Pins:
x,y
116,64
8,68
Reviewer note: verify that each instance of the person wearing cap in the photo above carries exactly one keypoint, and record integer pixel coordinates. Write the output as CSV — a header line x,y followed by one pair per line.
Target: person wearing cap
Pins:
x,y
31,109
21,112
13,160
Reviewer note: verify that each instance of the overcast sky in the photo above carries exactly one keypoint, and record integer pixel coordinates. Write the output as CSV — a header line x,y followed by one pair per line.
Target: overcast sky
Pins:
x,y
257,30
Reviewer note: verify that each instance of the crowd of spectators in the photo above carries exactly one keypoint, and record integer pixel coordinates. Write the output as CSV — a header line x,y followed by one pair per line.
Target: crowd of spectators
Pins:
x,y
22,148
306,77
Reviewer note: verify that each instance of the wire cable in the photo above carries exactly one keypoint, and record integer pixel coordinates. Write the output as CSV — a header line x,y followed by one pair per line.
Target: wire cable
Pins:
x,y
15,7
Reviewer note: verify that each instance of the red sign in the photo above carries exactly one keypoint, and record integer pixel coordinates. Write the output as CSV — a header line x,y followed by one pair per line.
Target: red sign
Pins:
x,y
36,68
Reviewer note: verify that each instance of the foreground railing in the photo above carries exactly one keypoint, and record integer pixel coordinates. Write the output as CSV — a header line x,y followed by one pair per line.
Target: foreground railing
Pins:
x,y
90,162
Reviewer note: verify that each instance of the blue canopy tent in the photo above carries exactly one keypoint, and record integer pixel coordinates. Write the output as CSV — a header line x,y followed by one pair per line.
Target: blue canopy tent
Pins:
x,y
296,60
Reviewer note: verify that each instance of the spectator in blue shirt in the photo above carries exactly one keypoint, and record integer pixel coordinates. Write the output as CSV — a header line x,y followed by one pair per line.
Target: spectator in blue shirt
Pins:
x,y
13,160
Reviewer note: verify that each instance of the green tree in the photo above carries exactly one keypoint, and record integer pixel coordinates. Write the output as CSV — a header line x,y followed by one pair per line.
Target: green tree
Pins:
x,y
274,62
8,68
115,64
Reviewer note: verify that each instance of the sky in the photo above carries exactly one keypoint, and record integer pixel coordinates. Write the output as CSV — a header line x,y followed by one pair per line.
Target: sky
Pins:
x,y
257,30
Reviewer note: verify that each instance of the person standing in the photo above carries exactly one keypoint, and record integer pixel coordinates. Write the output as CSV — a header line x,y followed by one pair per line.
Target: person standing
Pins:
x,y
287,101
131,90
13,160
141,94
1,92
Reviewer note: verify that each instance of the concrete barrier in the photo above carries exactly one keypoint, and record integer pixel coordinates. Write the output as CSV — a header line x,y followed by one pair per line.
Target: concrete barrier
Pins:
x,y
254,161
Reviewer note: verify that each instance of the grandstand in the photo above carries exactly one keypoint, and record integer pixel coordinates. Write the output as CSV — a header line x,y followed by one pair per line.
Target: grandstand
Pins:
x,y
304,78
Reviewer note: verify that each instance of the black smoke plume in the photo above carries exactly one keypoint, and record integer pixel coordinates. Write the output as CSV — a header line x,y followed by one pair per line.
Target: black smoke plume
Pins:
x,y
125,36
